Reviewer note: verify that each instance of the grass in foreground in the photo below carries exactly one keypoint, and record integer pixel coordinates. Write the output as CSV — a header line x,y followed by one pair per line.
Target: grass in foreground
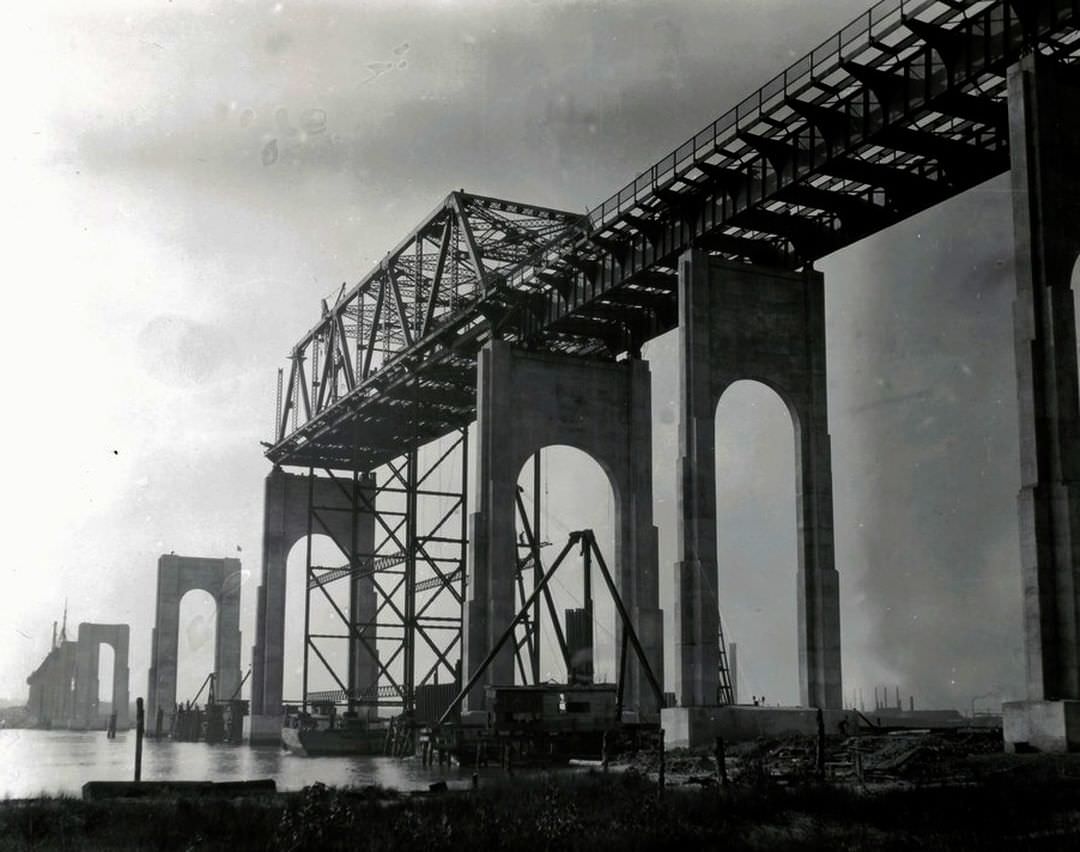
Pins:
x,y
591,812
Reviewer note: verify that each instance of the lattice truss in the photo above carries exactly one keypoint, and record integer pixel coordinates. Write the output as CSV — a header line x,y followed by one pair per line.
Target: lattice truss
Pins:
x,y
416,570
901,109
456,256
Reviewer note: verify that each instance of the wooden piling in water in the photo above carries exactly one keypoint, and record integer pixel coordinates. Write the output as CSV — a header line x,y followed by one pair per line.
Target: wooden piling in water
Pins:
x,y
660,778
139,722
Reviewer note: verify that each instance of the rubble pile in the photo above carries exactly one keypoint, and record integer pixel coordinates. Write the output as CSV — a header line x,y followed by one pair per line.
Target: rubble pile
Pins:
x,y
908,757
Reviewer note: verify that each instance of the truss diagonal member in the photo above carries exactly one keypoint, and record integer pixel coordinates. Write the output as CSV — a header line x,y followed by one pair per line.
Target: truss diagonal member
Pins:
x,y
436,281
438,582
628,624
290,391
390,275
343,351
366,569
372,331
470,240
538,589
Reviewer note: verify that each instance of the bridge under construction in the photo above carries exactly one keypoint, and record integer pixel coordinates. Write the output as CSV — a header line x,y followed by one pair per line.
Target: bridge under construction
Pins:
x,y
530,321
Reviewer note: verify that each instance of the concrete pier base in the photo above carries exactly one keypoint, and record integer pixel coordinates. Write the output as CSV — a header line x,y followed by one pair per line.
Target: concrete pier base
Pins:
x,y
263,728
1048,726
692,727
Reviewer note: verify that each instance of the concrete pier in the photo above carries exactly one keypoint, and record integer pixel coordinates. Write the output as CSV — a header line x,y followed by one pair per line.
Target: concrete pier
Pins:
x,y
527,401
743,322
289,499
87,659
52,687
176,576
1045,150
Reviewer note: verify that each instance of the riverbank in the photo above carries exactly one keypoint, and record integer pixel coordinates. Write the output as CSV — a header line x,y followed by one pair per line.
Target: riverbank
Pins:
x,y
1025,802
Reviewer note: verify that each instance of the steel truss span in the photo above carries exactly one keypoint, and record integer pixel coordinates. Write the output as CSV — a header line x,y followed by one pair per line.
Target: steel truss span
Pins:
x,y
901,109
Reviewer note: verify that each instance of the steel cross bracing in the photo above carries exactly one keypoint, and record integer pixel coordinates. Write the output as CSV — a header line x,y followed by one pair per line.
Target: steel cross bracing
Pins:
x,y
901,109
416,570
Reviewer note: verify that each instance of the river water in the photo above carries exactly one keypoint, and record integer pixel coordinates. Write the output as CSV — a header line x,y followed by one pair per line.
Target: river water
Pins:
x,y
60,762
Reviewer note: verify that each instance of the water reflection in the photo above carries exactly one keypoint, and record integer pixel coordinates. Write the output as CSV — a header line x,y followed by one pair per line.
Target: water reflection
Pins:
x,y
60,762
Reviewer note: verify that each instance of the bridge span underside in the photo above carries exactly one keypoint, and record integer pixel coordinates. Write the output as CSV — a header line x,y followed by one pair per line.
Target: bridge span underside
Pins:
x,y
909,105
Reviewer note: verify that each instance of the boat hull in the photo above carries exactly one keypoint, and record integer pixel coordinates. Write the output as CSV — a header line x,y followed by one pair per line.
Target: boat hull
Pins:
x,y
337,741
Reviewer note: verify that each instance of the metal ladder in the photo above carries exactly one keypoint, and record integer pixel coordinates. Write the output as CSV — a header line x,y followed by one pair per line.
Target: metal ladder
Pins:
x,y
724,692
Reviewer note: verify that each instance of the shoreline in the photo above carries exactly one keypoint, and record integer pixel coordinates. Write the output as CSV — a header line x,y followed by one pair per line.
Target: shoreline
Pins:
x,y
1006,801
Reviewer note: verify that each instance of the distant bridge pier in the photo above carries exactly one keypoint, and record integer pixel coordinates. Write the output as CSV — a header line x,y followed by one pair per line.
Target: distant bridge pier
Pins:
x,y
297,506
1045,149
52,696
527,401
738,321
87,658
176,576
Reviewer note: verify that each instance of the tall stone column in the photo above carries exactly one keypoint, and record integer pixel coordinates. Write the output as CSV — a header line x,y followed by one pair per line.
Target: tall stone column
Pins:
x,y
818,582
227,630
697,615
121,698
165,642
86,680
284,522
1045,150
492,551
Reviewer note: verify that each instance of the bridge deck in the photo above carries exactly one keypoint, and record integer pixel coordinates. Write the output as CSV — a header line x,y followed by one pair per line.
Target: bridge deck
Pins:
x,y
901,109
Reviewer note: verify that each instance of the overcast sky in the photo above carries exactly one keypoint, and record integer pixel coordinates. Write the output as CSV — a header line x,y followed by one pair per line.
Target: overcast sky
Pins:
x,y
186,180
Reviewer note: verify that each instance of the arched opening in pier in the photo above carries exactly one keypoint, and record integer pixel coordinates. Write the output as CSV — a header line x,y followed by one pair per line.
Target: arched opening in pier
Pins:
x,y
326,628
575,494
757,556
105,673
195,649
